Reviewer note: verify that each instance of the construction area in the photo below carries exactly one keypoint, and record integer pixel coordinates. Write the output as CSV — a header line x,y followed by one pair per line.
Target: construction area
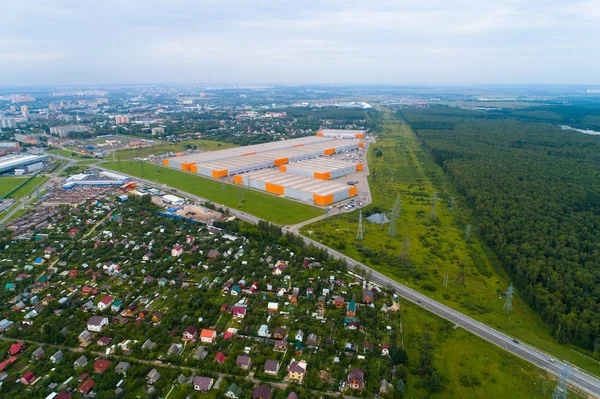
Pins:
x,y
303,169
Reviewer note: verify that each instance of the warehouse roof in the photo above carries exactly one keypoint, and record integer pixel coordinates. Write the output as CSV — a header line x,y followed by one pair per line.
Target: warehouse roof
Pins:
x,y
321,165
300,183
342,132
256,148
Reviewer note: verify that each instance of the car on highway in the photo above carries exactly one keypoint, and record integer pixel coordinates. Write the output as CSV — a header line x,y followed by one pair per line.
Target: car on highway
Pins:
x,y
515,341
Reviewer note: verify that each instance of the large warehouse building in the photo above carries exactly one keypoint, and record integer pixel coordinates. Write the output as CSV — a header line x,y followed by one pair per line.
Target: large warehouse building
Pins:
x,y
234,161
342,133
307,189
22,162
324,169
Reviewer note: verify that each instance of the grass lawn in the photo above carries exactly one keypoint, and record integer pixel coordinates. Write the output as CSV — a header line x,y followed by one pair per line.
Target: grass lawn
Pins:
x,y
437,247
9,183
162,148
265,206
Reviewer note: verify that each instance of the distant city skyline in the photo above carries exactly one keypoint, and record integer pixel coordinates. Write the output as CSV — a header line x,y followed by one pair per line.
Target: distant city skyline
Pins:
x,y
64,42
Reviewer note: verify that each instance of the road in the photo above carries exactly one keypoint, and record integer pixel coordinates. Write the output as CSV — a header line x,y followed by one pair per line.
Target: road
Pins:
x,y
577,378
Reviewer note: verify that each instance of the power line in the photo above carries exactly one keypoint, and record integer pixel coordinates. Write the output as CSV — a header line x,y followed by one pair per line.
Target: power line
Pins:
x,y
360,233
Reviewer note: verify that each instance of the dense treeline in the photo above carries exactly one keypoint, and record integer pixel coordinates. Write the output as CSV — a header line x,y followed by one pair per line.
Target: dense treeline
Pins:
x,y
535,190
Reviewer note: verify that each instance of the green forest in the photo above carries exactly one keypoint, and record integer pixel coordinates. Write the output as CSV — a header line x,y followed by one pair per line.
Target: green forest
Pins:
x,y
535,191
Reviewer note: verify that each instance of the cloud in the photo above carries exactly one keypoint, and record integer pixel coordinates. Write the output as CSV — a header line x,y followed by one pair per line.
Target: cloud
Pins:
x,y
304,41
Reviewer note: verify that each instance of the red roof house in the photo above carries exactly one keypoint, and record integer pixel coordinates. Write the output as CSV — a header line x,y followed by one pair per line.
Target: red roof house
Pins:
x,y
27,378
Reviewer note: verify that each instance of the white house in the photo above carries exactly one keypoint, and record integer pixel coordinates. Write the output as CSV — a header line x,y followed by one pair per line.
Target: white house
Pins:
x,y
299,336
97,323
105,302
176,251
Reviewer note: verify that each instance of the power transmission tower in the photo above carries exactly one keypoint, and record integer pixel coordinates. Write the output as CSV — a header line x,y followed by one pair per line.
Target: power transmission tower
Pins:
x,y
508,302
397,206
406,247
461,274
360,233
392,172
468,233
392,229
560,392
222,185
451,205
240,196
433,214
446,280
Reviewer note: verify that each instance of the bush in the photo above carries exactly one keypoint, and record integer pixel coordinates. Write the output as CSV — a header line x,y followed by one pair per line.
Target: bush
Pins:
x,y
429,287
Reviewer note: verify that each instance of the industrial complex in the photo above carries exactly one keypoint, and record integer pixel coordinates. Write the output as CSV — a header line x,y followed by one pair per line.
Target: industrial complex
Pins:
x,y
21,164
101,179
300,169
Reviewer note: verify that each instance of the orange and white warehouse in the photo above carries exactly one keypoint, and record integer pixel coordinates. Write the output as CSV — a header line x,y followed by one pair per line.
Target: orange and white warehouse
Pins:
x,y
323,168
301,188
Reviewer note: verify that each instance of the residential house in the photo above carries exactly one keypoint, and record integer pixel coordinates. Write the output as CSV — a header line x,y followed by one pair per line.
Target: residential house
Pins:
x,y
356,379
97,323
263,331
57,357
101,365
279,333
131,310
385,350
208,335
190,333
280,345
152,377
292,395
105,302
147,256
239,311
15,349
85,338
175,349
200,353
38,353
271,367
244,362
104,341
338,301
5,325
233,392
212,254
367,296
351,312
312,340
272,307
86,387
220,357
27,378
176,251
148,345
157,316
203,384
297,370
299,336
262,392
122,368
80,362
116,306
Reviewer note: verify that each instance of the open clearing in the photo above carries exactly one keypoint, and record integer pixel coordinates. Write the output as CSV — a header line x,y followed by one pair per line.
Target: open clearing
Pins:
x,y
274,209
9,183
163,148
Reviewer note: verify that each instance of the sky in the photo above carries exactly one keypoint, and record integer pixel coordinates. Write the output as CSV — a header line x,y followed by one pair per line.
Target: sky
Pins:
x,y
66,42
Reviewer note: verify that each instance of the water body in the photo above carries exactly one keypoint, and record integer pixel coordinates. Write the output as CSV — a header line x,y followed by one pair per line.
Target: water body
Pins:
x,y
592,132
378,218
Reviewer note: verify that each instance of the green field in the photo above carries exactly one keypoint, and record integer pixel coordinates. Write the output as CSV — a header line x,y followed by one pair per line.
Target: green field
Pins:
x,y
437,246
9,183
162,148
274,209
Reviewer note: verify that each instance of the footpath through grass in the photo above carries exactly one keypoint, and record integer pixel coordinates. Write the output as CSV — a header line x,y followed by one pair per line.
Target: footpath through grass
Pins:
x,y
274,209
427,250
